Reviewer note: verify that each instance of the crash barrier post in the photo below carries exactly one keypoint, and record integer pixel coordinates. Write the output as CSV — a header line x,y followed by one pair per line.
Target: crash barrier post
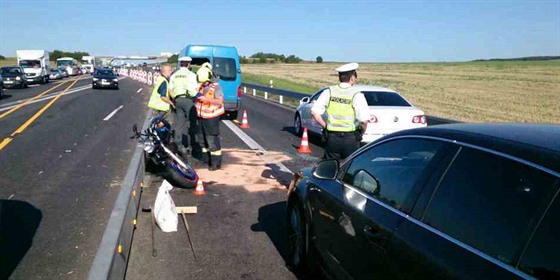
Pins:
x,y
112,256
432,120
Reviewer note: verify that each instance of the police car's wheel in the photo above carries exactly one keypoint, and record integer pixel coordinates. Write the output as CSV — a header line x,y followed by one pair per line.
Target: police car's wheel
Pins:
x,y
297,125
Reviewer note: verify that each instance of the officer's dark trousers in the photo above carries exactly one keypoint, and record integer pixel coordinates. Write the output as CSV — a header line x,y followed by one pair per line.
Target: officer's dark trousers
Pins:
x,y
212,145
340,145
181,125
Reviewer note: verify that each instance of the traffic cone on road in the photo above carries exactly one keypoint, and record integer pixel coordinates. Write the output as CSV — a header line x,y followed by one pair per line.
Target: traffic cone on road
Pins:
x,y
244,121
304,146
199,188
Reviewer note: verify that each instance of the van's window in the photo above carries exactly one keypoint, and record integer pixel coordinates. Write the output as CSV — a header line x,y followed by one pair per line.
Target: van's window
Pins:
x,y
381,98
389,171
225,68
542,257
30,63
489,202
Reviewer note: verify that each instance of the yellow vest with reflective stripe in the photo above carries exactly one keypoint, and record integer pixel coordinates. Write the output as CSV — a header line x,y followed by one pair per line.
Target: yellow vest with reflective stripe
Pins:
x,y
183,83
209,110
155,99
341,116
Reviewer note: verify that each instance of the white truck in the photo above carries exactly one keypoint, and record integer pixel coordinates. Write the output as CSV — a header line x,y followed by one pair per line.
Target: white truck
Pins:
x,y
35,64
68,64
89,63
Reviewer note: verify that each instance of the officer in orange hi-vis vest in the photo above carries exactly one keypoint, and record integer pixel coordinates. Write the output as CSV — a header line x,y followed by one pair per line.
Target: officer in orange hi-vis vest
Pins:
x,y
209,107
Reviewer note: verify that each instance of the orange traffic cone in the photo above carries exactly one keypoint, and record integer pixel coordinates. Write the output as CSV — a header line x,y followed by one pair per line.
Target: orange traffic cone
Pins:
x,y
244,121
304,146
199,188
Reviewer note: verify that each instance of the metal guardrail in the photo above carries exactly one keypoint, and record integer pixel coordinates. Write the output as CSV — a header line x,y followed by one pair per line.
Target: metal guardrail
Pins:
x,y
432,120
112,256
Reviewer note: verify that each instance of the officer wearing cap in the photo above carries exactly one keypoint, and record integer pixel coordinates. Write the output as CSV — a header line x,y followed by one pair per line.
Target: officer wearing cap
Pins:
x,y
347,114
183,88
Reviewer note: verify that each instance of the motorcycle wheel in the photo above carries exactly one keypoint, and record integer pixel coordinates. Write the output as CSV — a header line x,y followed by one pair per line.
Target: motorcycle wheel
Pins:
x,y
180,177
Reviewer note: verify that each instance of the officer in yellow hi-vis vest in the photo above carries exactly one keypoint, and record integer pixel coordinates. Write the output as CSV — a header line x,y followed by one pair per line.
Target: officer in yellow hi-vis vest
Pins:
x,y
183,87
159,100
347,114
209,107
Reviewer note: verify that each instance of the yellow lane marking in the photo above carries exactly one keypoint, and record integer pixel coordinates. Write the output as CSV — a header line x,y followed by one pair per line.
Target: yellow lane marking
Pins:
x,y
7,140
30,99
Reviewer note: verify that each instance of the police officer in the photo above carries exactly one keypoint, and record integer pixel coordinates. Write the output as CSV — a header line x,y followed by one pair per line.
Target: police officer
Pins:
x,y
159,100
347,114
209,107
183,88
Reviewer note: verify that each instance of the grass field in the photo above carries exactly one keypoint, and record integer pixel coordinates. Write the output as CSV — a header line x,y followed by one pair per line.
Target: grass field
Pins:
x,y
501,91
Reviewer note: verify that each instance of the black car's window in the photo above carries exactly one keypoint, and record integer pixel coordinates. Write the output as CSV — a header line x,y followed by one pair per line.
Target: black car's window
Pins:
x,y
105,73
542,257
389,171
225,68
10,71
381,98
489,202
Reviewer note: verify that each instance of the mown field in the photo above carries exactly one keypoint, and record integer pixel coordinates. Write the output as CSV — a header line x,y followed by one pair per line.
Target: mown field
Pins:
x,y
501,91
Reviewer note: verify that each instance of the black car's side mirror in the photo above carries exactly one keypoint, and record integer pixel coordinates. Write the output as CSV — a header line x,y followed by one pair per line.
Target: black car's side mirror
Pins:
x,y
326,169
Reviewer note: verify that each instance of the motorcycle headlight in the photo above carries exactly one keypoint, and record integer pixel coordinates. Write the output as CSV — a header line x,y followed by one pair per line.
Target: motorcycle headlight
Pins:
x,y
149,147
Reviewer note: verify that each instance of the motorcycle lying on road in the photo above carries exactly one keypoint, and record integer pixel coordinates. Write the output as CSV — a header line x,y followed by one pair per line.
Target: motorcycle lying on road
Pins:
x,y
157,147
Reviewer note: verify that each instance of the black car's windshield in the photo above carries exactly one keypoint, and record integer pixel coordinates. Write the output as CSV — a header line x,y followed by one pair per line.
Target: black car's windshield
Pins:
x,y
30,63
105,73
225,68
382,98
11,71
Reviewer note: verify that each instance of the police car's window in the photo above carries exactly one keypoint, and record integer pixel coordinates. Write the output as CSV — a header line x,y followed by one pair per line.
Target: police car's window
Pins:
x,y
225,68
542,257
389,171
380,98
489,202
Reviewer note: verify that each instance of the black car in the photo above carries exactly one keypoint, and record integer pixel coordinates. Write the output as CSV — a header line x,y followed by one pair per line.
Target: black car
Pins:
x,y
13,77
462,201
105,78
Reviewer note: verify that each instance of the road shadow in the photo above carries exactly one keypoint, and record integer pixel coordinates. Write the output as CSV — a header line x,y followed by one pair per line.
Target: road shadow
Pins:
x,y
19,221
282,177
5,96
272,221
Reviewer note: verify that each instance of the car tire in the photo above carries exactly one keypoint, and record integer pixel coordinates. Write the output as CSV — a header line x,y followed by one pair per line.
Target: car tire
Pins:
x,y
298,129
26,84
233,115
299,260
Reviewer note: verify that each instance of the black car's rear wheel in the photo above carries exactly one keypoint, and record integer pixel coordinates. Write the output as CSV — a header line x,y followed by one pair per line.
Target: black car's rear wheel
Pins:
x,y
297,258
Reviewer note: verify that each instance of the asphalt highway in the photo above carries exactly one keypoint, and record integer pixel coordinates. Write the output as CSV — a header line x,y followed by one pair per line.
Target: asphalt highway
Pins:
x,y
60,170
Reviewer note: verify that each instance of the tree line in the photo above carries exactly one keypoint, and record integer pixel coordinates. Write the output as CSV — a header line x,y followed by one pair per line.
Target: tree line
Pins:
x,y
56,54
262,57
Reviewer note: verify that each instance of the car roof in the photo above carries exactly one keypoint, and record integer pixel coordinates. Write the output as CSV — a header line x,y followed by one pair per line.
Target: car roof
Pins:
x,y
537,143
372,88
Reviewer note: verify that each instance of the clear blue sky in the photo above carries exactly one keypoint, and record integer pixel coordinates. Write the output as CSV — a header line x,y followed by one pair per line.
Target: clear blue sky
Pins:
x,y
376,31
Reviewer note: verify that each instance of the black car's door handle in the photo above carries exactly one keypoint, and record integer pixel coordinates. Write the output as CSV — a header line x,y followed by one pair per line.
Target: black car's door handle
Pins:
x,y
373,234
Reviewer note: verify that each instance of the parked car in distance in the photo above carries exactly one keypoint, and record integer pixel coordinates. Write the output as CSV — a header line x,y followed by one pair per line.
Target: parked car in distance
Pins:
x,y
85,70
55,74
105,77
79,72
13,77
461,201
389,111
64,72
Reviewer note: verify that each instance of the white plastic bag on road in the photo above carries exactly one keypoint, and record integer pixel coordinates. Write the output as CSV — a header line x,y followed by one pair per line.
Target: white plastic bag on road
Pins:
x,y
164,209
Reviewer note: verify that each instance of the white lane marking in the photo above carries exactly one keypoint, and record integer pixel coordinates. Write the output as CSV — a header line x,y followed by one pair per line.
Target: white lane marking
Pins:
x,y
49,96
253,144
113,113
139,90
11,196
8,106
